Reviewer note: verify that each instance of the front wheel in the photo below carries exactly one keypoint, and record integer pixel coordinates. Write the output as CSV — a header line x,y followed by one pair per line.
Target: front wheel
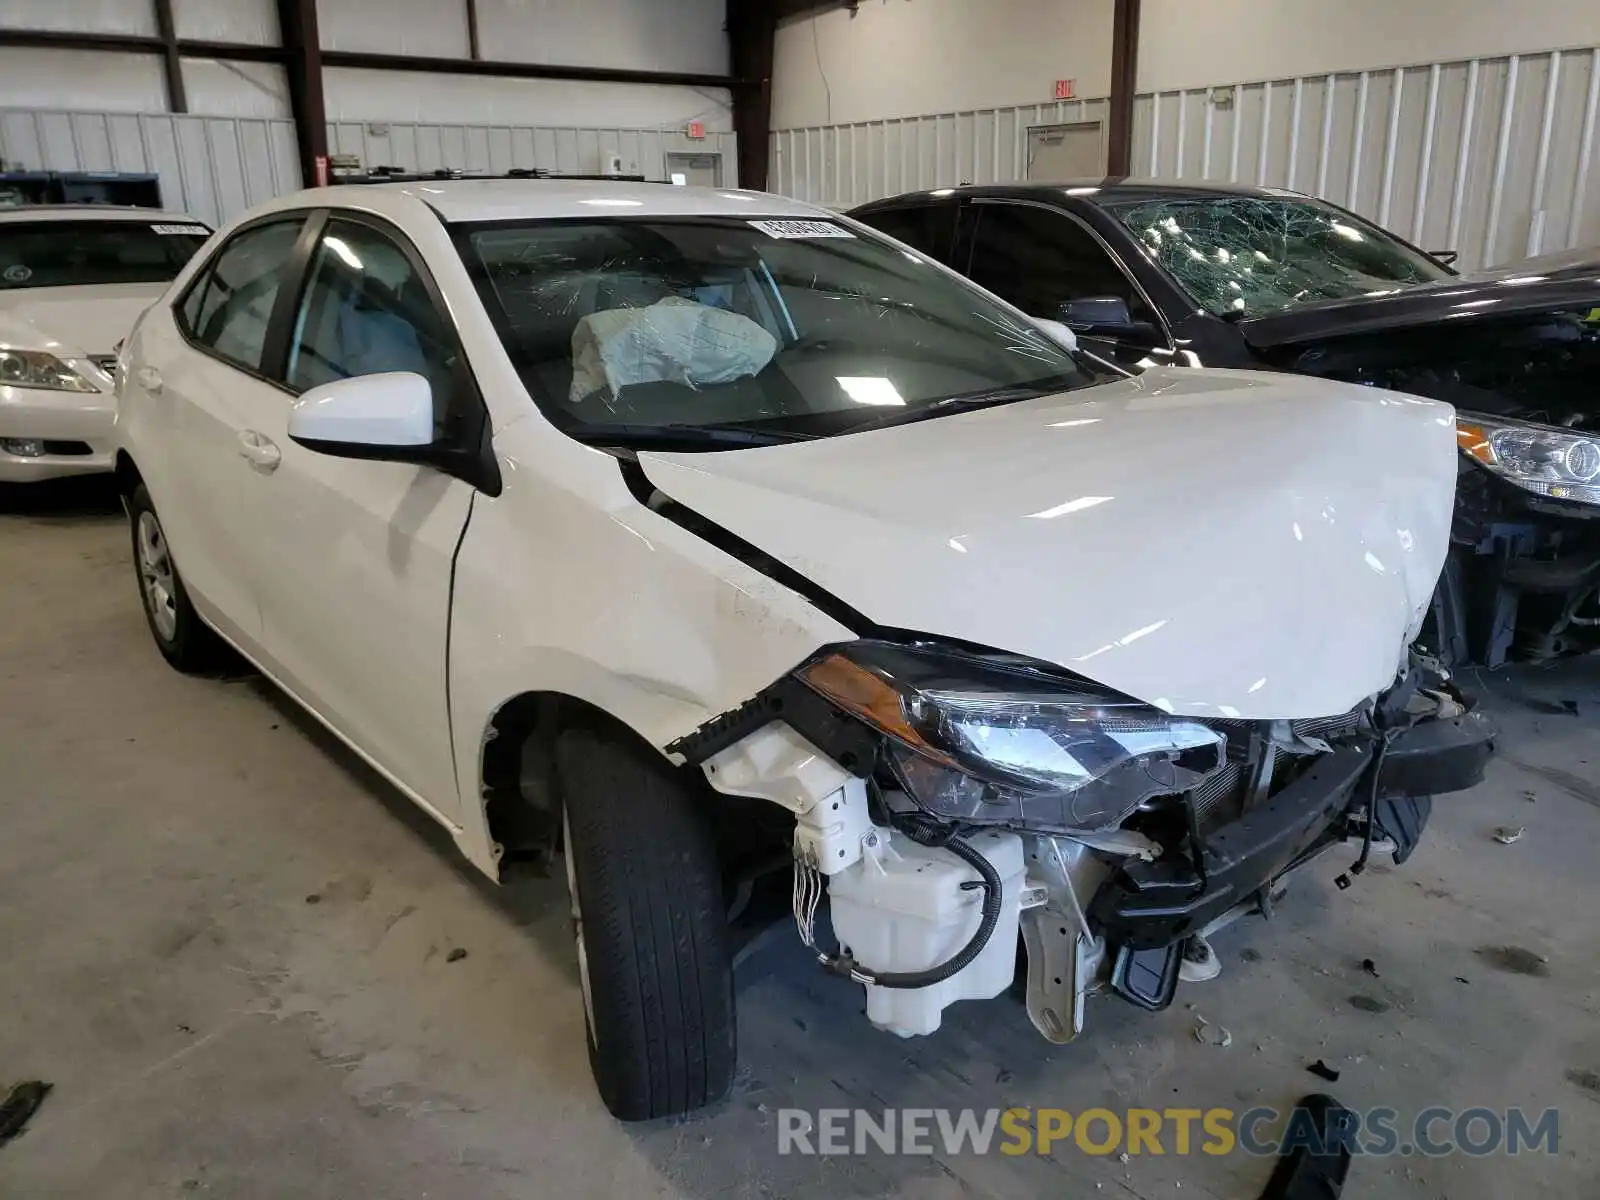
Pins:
x,y
182,637
651,928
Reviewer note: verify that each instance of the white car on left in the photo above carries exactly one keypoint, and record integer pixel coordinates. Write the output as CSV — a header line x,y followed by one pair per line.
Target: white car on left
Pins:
x,y
73,280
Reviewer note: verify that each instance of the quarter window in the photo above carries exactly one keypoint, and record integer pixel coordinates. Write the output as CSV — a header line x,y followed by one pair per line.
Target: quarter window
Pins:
x,y
366,311
230,307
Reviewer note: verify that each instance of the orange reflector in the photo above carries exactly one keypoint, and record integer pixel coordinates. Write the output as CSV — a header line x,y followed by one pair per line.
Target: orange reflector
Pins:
x,y
1474,440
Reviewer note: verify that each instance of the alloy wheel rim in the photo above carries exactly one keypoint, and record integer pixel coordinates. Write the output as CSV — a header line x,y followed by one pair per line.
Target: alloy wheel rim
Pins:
x,y
155,577
577,923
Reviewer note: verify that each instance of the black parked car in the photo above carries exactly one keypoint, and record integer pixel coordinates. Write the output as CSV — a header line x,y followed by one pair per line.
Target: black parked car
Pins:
x,y
1225,276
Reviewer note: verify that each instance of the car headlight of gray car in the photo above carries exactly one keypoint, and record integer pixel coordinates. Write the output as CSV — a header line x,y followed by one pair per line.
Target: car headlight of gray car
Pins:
x,y
1001,740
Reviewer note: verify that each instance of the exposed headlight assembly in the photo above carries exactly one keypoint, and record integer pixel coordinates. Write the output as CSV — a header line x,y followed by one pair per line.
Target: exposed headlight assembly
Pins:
x,y
36,369
995,740
1560,463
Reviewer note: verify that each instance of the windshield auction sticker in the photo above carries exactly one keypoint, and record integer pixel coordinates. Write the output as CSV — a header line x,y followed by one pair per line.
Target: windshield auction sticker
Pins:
x,y
195,230
802,229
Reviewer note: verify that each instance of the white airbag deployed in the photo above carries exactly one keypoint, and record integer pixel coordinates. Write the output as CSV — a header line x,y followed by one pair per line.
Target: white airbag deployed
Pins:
x,y
674,340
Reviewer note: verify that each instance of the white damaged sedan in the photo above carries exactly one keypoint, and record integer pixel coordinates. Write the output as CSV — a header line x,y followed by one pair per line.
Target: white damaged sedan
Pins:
x,y
740,553
73,280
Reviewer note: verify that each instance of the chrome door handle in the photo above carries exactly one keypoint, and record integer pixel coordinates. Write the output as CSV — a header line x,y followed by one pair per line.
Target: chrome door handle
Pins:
x,y
261,451
149,379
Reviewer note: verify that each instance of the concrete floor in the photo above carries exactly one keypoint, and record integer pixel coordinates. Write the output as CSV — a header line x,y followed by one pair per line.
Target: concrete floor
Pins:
x,y
226,944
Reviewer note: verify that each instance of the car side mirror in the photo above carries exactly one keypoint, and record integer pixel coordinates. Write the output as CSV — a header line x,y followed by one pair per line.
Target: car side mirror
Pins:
x,y
1101,313
1058,333
385,416
1445,257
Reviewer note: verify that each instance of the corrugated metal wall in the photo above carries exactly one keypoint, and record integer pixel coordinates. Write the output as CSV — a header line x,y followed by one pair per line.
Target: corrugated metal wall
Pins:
x,y
844,165
212,167
1494,158
418,147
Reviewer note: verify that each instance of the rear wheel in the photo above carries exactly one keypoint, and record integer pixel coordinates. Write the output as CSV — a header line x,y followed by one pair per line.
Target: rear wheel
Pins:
x,y
651,929
182,637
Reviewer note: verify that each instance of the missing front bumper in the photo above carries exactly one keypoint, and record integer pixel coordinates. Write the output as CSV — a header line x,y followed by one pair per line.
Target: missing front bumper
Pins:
x,y
1151,905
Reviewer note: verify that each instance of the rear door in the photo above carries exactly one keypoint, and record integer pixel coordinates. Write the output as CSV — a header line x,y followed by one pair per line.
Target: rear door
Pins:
x,y
1050,265
356,557
203,367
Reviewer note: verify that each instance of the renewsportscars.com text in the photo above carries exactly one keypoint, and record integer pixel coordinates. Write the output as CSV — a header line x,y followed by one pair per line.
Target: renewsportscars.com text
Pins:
x,y
1431,1132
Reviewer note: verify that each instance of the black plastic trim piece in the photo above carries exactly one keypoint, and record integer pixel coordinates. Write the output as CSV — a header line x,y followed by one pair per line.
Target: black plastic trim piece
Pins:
x,y
653,498
841,736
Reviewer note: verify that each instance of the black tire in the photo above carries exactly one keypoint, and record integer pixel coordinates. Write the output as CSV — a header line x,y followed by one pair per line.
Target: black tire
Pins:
x,y
184,640
655,931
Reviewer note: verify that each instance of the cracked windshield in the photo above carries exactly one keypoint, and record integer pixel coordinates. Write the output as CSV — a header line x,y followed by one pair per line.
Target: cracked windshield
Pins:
x,y
732,331
1250,255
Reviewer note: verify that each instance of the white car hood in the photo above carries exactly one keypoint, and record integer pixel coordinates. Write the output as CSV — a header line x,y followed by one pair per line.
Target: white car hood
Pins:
x,y
1217,543
72,322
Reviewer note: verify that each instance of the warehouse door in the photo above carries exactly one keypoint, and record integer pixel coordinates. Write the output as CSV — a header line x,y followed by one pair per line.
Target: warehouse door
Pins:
x,y
1057,152
697,170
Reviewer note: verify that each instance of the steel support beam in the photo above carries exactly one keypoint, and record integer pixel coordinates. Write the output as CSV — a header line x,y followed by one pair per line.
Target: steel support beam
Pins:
x,y
129,43
752,36
171,59
1124,79
474,50
515,70
303,65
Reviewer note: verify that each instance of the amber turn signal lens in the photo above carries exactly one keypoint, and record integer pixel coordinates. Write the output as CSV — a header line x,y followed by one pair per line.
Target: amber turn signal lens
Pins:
x,y
857,690
1474,440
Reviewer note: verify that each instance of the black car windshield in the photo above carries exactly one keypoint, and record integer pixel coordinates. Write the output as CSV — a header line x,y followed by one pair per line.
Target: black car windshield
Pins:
x,y
651,330
61,253
1249,255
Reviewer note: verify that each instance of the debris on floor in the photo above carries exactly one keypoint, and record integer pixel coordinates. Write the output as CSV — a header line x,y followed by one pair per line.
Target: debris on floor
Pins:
x,y
1323,1071
19,1106
1507,834
455,955
1209,1035
1370,967
1317,1157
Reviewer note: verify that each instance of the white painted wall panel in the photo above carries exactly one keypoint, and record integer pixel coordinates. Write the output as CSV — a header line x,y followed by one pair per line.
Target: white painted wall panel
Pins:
x,y
359,95
101,16
500,148
81,79
642,35
254,22
1189,44
844,165
906,58
235,89
209,166
431,27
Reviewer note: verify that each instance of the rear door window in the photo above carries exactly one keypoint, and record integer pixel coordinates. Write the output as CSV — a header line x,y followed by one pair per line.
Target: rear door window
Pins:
x,y
228,309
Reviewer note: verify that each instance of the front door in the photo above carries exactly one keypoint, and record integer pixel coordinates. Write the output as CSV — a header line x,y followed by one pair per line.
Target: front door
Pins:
x,y
1058,152
1050,265
356,557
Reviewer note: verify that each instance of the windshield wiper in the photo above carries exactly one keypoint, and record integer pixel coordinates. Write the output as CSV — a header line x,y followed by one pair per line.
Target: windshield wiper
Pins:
x,y
966,402
720,436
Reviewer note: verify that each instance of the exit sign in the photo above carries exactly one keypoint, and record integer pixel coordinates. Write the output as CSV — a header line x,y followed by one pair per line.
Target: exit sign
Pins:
x,y
1065,88
697,130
